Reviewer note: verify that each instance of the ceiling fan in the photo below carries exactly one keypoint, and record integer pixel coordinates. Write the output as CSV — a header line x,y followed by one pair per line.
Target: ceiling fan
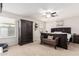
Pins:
x,y
48,13
53,14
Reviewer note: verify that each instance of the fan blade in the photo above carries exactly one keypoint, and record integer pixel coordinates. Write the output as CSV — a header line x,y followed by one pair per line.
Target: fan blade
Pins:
x,y
53,13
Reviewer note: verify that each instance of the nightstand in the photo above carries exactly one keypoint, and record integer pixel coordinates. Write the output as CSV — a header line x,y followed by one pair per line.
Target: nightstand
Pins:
x,y
75,38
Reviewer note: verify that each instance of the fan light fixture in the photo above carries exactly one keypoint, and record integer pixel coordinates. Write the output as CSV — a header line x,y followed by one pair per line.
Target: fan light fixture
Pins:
x,y
48,13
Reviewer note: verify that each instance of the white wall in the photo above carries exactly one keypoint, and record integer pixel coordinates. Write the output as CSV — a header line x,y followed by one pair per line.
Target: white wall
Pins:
x,y
14,40
10,41
50,25
72,22
36,33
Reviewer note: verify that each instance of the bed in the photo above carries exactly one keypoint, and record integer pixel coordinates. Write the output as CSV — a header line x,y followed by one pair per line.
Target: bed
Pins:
x,y
62,30
63,33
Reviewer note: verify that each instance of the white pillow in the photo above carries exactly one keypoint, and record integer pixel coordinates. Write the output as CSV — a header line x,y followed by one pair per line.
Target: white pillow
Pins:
x,y
58,32
50,37
68,36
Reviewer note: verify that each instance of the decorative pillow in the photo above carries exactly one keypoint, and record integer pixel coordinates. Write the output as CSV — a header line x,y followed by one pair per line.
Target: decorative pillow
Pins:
x,y
50,37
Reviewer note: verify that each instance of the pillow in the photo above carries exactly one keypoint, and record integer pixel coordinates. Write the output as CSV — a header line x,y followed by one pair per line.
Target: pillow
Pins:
x,y
58,32
50,37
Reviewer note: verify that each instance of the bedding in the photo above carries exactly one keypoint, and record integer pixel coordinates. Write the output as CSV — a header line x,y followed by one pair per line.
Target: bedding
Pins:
x,y
58,32
68,35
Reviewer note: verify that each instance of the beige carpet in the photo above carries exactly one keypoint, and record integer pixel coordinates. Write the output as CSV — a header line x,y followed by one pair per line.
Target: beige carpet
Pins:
x,y
35,49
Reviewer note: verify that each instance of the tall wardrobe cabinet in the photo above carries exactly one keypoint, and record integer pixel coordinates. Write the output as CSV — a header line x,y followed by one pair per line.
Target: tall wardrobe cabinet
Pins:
x,y
25,31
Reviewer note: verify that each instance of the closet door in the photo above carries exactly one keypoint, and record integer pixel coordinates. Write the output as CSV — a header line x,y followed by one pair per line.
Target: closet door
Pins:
x,y
26,32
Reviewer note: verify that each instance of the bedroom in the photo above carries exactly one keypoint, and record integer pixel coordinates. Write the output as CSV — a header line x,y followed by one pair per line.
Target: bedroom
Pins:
x,y
66,15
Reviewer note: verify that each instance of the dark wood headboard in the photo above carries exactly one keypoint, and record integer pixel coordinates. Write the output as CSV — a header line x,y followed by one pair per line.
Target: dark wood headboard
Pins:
x,y
61,29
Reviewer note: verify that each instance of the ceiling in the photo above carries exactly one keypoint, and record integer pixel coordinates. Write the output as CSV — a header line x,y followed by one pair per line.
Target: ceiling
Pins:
x,y
33,9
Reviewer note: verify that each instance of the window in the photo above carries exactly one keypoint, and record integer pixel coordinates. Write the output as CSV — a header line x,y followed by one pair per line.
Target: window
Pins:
x,y
7,27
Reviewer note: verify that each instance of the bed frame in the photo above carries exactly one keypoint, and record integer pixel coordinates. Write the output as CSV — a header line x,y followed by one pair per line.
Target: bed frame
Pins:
x,y
63,40
63,43
61,29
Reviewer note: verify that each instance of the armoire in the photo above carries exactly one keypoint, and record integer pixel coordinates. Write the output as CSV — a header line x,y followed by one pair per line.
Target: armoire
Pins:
x,y
25,31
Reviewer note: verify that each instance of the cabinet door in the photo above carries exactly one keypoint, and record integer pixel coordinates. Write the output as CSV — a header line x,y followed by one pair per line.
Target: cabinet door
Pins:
x,y
26,32
29,31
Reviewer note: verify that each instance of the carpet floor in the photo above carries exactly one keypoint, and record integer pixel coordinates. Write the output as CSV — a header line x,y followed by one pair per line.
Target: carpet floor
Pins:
x,y
36,49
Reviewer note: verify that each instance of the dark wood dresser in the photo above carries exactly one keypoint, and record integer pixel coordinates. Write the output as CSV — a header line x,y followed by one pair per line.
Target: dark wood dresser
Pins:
x,y
75,38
